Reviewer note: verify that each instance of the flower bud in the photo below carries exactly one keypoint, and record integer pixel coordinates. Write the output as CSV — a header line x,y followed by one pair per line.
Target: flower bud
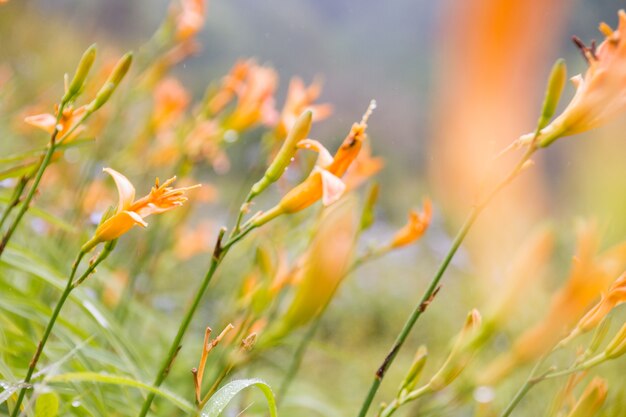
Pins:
x,y
80,75
118,73
554,89
460,355
367,217
412,377
617,346
286,153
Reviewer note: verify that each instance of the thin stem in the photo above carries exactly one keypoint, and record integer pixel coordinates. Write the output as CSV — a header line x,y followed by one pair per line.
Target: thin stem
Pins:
x,y
164,370
296,361
40,346
15,198
530,382
432,288
33,189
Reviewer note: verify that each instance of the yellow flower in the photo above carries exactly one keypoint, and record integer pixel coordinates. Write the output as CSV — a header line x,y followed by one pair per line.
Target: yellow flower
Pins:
x,y
48,122
161,198
415,228
600,94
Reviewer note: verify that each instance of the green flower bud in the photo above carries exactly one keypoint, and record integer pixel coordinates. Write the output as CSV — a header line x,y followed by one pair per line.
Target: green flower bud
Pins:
x,y
283,158
82,70
118,73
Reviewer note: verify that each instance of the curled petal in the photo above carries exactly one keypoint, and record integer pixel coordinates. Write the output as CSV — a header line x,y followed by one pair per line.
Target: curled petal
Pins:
x,y
125,189
324,159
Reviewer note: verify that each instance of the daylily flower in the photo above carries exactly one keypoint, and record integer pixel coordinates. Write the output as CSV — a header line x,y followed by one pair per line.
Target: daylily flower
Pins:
x,y
614,297
129,212
170,101
300,99
48,122
255,98
600,94
324,182
190,19
591,274
415,228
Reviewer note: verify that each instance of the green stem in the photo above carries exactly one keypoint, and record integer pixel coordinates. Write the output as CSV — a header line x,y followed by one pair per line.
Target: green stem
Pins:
x,y
530,382
431,291
15,198
55,314
33,189
164,370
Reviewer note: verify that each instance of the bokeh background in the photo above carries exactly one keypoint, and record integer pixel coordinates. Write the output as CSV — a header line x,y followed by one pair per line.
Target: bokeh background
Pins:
x,y
455,82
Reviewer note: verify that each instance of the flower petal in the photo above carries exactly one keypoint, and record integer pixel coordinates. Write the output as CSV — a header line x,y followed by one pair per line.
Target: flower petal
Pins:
x,y
43,121
117,225
332,187
324,159
125,189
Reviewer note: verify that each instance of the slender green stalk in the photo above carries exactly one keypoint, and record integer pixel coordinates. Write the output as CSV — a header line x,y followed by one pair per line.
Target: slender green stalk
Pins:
x,y
164,370
433,287
15,198
33,189
55,314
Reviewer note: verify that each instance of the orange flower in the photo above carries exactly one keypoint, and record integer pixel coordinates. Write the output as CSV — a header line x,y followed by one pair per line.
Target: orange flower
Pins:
x,y
591,399
170,101
47,121
590,275
254,85
190,19
363,167
415,228
299,99
161,198
601,94
614,297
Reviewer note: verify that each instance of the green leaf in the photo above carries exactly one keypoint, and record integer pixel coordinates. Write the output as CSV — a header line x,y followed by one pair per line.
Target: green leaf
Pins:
x,y
47,405
123,381
218,402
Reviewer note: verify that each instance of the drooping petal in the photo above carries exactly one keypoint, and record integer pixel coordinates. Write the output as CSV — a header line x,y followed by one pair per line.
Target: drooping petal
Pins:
x,y
332,187
125,189
324,159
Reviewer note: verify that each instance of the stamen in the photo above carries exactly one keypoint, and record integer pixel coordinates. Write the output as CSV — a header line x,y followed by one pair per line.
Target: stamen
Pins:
x,y
368,112
606,30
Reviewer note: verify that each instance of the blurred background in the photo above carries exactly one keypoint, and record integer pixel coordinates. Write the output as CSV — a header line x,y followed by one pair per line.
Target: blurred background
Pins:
x,y
455,83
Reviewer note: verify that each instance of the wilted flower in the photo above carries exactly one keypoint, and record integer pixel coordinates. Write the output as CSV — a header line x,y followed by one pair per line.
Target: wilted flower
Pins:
x,y
48,122
161,198
600,94
300,99
415,228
